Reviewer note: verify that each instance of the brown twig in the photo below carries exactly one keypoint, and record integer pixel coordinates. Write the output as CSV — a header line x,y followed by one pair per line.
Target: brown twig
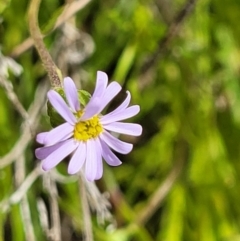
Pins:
x,y
68,12
51,68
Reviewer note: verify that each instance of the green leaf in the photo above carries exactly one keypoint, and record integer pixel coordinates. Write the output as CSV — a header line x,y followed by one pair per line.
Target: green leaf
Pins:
x,y
83,97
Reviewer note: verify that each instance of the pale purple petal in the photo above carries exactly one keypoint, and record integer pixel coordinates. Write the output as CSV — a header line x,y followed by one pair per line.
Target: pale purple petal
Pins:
x,y
43,152
124,104
71,94
77,159
41,137
100,88
109,156
99,159
91,161
98,103
124,128
121,115
112,90
59,104
121,107
115,144
57,156
101,84
59,133
91,109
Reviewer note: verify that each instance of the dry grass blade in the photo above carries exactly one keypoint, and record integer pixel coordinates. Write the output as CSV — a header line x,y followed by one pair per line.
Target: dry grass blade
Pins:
x,y
12,96
17,196
68,12
26,135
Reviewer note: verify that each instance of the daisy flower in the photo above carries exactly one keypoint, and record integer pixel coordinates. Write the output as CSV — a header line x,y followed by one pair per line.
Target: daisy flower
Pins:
x,y
86,134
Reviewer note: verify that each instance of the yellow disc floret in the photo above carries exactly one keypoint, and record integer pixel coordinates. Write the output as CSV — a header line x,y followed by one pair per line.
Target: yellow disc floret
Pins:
x,y
85,130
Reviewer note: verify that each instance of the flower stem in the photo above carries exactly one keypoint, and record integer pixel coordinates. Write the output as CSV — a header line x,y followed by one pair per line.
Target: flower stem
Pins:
x,y
88,235
52,70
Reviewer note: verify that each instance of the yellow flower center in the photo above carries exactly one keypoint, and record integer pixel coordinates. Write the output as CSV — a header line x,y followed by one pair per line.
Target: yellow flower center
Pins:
x,y
85,130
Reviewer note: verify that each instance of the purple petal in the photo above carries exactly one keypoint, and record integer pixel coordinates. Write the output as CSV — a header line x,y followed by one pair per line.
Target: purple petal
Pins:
x,y
91,109
109,156
124,128
112,90
59,104
77,159
101,84
121,115
91,161
71,94
58,155
43,152
99,91
99,159
101,97
123,106
115,144
58,134
41,137
125,103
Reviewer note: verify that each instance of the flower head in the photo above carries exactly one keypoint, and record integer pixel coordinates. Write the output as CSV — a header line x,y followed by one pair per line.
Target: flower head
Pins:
x,y
86,133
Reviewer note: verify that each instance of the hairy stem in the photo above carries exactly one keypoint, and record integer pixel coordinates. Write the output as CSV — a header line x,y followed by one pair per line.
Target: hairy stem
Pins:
x,y
51,68
88,235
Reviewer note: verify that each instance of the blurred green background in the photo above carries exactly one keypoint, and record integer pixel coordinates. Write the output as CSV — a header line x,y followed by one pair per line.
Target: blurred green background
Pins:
x,y
180,60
